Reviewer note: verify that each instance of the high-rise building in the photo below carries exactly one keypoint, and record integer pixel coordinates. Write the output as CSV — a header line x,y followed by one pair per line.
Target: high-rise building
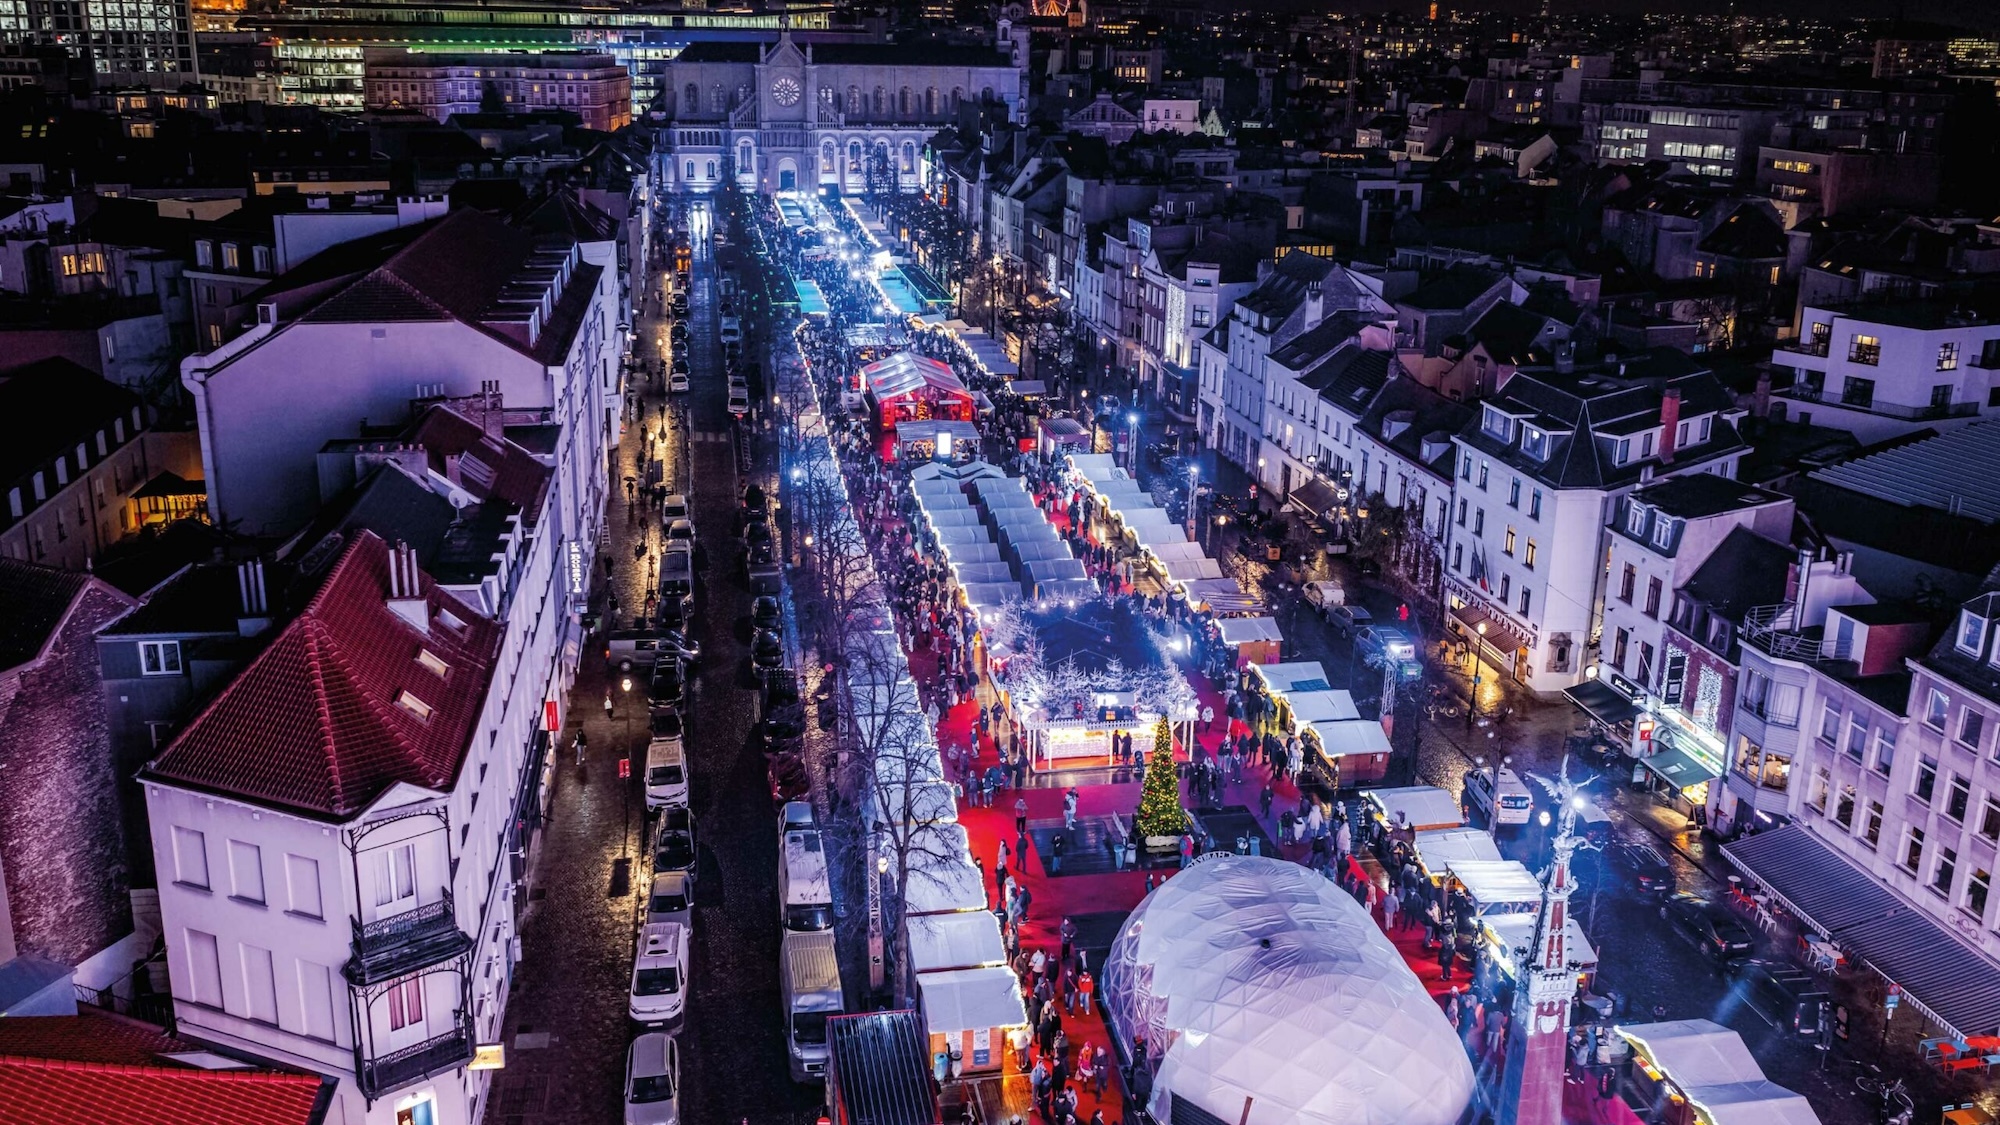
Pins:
x,y
146,42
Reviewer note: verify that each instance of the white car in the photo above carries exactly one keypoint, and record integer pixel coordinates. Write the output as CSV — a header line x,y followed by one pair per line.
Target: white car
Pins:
x,y
739,403
659,975
672,896
677,383
666,761
675,507
732,330
653,1080
680,532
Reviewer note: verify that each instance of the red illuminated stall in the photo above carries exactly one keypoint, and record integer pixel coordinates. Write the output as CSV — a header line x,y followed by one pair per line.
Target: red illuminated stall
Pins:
x,y
913,388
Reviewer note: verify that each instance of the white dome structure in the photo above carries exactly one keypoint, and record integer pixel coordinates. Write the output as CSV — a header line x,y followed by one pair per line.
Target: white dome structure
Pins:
x,y
1255,978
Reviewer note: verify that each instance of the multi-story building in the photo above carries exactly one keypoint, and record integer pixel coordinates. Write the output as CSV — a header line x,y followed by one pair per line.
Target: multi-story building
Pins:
x,y
1700,139
597,88
1539,473
82,453
1887,366
779,116
127,45
463,306
330,834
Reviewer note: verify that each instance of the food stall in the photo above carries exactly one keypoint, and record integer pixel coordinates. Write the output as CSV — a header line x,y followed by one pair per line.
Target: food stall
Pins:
x,y
969,1012
943,942
1222,596
1496,886
1254,640
1061,435
1414,808
1055,579
911,388
1698,1072
936,439
1436,849
1358,748
1508,935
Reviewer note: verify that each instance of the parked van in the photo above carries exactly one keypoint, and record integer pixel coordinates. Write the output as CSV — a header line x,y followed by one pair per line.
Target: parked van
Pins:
x,y
677,572
1324,596
805,896
666,763
809,985
1783,993
629,649
732,330
1515,803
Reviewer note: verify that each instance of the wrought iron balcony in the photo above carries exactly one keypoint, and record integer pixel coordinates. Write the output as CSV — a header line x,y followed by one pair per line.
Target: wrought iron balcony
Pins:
x,y
403,943
418,1061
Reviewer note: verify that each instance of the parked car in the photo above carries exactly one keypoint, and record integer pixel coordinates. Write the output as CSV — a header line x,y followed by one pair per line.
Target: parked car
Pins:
x,y
1325,597
739,403
671,898
788,777
1365,567
761,553
796,816
767,653
1720,937
680,533
674,507
627,649
1644,863
680,366
674,846
1383,642
1783,993
1503,800
677,383
668,684
653,1080
659,975
765,613
1349,618
666,761
677,643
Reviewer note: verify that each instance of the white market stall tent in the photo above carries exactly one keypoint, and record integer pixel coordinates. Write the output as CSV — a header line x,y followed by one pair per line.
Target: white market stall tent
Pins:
x,y
962,536
970,574
1439,848
1509,932
940,942
972,1010
939,518
1180,572
1223,595
1708,1064
1415,807
1294,676
1245,630
1497,886
1342,738
970,553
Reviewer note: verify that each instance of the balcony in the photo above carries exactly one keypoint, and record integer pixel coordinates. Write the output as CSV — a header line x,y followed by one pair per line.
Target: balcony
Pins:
x,y
1928,412
401,944
1808,347
1773,630
393,1071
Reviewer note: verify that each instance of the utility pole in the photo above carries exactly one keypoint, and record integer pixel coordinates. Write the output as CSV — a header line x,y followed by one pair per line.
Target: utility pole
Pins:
x,y
1531,1088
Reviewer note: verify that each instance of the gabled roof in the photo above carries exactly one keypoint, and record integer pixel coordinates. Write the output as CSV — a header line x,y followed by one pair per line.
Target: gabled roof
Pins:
x,y
1747,233
51,405
564,212
34,599
94,1067
1744,571
1351,377
316,724
1281,293
1455,288
1508,332
488,466
1307,348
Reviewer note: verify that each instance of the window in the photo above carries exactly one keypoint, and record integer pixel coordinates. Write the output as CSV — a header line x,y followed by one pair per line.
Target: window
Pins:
x,y
1935,707
1822,783
1652,597
1514,493
1945,871
1463,507
1479,521
160,658
1989,820
406,1004
204,253
190,858
260,258
1924,785
1508,547
413,705
1528,559
1829,724
1871,825
204,969
1503,589
395,877
1857,736
302,886
1535,504
1534,443
1635,520
1624,449
1858,392
1865,349
1485,468
1524,601
1971,632
1645,676
1628,583
246,872
231,259
1970,726
1958,798
1618,645
1843,807
1663,533
1913,848
1458,557
1976,887
1948,356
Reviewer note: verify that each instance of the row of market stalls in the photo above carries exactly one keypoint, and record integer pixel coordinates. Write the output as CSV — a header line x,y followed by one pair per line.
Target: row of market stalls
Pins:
x,y
998,544
1181,566
1306,705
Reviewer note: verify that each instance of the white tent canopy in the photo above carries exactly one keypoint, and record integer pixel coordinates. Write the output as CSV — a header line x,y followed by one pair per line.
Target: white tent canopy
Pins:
x,y
963,536
1439,848
994,594
1297,675
1517,931
971,574
1178,552
1192,570
1716,1071
1093,466
969,553
971,999
1341,737
1223,595
1416,807
1240,630
1267,996
1158,534
956,941
1314,707
951,517
1498,886
940,886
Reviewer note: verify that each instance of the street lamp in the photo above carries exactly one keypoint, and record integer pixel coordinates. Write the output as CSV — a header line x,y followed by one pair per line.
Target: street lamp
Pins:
x,y
1194,492
1132,446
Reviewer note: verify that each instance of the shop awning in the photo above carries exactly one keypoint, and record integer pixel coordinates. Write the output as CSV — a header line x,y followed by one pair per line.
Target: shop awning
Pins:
x,y
1418,807
1241,630
942,942
1602,702
1223,595
1678,767
1955,985
1499,633
1314,497
1497,883
971,1000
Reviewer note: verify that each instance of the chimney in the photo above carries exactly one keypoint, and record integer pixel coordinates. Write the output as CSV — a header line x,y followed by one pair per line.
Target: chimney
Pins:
x,y
1670,422
406,599
253,600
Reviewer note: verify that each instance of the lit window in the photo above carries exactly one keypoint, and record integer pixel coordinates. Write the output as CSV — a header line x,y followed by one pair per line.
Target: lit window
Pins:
x,y
160,658
413,705
433,661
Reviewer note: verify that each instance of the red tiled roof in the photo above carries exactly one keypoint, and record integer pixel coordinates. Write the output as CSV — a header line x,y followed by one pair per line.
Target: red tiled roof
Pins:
x,y
510,473
314,723
94,1068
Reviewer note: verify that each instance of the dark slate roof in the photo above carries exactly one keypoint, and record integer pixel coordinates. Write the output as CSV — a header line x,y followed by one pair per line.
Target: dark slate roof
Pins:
x,y
33,601
720,51
1747,233
1316,343
1351,378
1455,288
51,405
1429,415
1577,406
313,725
1508,332
1699,495
1280,294
199,599
1744,571
563,212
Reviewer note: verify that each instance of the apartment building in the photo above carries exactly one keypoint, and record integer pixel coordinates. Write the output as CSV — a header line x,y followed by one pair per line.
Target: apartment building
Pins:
x,y
597,88
1539,474
1887,366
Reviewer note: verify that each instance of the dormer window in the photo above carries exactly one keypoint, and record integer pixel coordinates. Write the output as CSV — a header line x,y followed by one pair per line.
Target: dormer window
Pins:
x,y
1971,632
1663,533
1497,425
1635,520
1534,443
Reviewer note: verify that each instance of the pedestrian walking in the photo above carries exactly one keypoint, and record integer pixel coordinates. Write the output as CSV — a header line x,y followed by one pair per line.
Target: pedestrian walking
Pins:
x,y
1086,988
1069,810
1020,816
1389,905
1056,854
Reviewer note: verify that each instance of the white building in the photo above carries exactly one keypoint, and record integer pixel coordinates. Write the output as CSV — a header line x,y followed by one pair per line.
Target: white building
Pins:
x,y
331,833
1540,472
1887,367
464,306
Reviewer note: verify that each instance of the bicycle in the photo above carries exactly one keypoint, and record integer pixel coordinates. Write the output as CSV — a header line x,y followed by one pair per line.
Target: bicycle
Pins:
x,y
1889,1092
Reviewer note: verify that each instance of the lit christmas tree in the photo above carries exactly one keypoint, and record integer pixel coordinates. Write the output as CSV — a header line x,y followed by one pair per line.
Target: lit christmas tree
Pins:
x,y
1160,812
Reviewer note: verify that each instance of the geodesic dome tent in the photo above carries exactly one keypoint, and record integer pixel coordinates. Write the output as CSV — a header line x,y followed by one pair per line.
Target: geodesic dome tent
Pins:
x,y
1254,978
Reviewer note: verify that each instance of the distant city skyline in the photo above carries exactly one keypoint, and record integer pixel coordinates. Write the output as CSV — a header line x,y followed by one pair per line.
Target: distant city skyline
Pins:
x,y
1971,18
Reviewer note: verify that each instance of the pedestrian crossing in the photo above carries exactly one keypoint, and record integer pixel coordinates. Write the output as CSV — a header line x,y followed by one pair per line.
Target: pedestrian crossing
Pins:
x,y
719,437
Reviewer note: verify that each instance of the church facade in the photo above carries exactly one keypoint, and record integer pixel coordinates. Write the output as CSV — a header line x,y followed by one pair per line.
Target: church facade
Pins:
x,y
783,116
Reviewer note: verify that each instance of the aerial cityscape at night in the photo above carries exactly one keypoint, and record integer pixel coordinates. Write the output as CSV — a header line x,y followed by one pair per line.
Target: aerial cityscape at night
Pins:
x,y
1048,563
